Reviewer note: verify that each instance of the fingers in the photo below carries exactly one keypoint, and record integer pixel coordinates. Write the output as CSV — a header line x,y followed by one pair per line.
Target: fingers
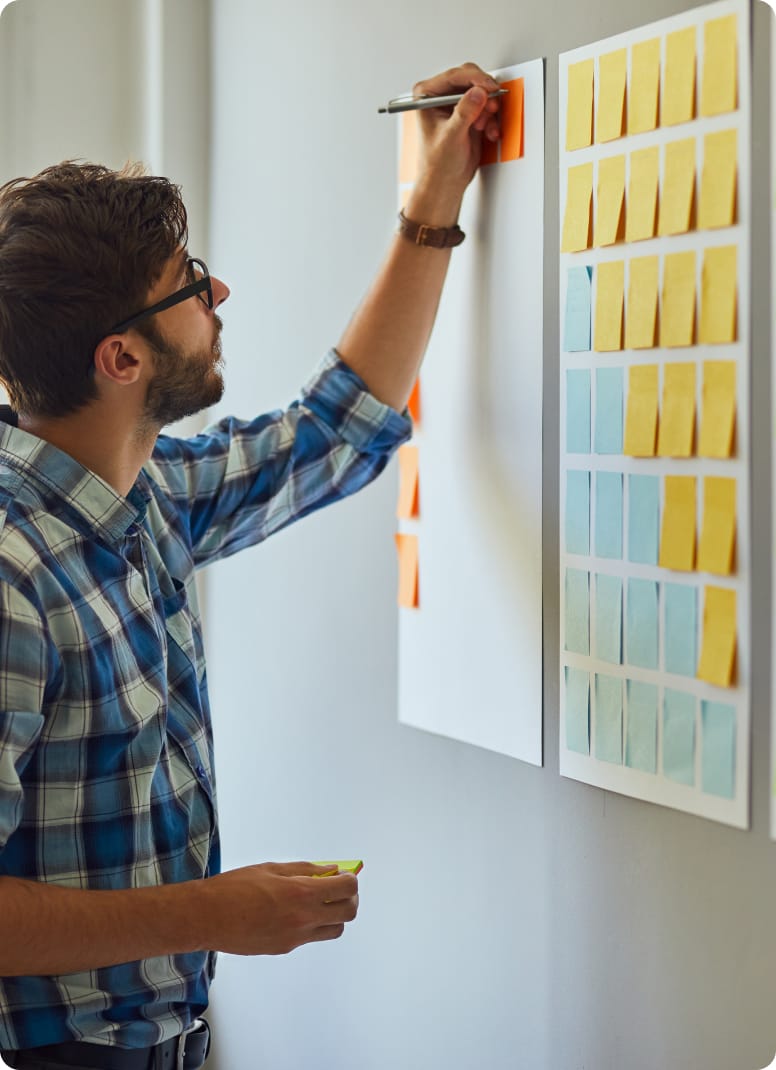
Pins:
x,y
456,80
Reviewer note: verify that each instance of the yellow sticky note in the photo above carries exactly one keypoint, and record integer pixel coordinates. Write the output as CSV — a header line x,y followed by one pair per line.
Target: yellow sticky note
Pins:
x,y
677,413
409,154
677,532
612,72
642,194
641,314
677,308
579,113
718,647
719,287
407,505
407,547
718,409
717,202
576,223
719,86
348,865
679,79
678,194
610,287
610,201
716,549
641,411
644,88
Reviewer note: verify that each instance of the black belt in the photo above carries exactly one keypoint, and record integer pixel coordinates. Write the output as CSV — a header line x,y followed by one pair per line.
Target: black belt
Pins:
x,y
164,1056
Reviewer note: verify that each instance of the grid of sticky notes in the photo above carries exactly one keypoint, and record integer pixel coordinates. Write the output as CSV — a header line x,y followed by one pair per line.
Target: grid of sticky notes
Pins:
x,y
653,486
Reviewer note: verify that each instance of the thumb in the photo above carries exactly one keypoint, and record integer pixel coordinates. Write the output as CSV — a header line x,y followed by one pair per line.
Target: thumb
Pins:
x,y
470,106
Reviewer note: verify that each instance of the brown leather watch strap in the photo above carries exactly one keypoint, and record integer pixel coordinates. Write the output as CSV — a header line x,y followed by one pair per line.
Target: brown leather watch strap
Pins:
x,y
425,234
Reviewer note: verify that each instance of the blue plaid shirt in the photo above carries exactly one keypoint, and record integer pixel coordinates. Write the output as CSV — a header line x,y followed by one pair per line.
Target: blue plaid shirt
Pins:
x,y
106,751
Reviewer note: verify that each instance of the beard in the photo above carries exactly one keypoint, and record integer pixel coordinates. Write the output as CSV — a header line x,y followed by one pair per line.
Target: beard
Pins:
x,y
186,382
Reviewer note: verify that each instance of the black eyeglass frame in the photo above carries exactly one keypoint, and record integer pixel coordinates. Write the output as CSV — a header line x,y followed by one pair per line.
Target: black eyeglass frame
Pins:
x,y
194,289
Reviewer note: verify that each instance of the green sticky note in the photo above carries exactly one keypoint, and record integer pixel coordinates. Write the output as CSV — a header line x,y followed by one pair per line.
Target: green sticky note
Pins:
x,y
643,519
641,624
578,410
577,611
608,618
576,335
679,736
608,410
718,749
608,719
681,628
608,514
577,710
578,513
641,733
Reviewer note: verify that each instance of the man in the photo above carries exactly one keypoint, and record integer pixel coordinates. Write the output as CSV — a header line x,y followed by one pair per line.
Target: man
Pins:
x,y
112,903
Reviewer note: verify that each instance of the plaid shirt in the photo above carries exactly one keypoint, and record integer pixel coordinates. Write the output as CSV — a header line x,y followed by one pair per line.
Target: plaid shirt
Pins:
x,y
106,756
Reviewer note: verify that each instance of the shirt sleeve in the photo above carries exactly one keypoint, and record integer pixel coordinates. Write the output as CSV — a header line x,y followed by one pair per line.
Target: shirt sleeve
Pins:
x,y
240,481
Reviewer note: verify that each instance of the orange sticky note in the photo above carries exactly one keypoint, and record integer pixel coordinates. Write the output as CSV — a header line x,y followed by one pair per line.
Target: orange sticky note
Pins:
x,y
612,71
719,86
718,409
716,549
641,315
610,286
718,648
512,120
717,203
642,194
414,403
679,80
677,414
579,112
677,533
576,222
407,505
610,204
641,411
407,547
678,194
409,155
719,287
644,88
677,308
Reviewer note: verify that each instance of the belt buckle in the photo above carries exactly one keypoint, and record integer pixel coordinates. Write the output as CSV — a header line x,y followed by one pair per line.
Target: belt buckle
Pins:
x,y
180,1051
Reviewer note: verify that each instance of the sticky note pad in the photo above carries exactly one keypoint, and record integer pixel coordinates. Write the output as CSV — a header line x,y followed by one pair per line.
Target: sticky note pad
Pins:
x,y
642,194
719,179
677,310
578,410
350,865
608,410
644,86
718,749
608,514
716,549
610,204
409,153
679,736
718,409
641,412
414,403
407,505
718,647
680,609
641,732
512,120
610,289
677,196
577,512
641,315
577,611
679,80
677,414
608,618
612,69
677,535
719,85
579,113
576,222
641,630
407,548
576,336
608,719
719,286
643,519
577,710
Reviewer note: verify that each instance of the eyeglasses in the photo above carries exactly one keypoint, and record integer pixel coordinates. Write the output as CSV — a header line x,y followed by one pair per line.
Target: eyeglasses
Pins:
x,y
200,286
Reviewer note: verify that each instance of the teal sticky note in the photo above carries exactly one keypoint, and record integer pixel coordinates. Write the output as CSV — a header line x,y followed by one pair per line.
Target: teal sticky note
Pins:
x,y
608,618
641,628
608,719
641,731
643,519
578,410
681,628
608,410
608,514
576,336
577,611
578,512
577,710
718,749
679,736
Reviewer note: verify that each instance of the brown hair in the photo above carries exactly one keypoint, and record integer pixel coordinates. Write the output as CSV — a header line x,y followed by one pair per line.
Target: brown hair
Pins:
x,y
80,247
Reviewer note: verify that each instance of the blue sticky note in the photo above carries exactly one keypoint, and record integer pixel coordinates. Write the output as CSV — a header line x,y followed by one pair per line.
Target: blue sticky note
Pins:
x,y
578,513
608,618
641,628
643,519
577,710
679,736
608,719
577,611
641,731
576,336
718,749
578,410
681,628
608,410
608,514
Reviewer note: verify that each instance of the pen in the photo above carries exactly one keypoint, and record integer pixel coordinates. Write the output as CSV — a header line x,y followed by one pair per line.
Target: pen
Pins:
x,y
417,103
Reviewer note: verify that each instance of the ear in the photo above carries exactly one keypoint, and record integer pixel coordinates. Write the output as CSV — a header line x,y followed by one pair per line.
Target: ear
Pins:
x,y
118,360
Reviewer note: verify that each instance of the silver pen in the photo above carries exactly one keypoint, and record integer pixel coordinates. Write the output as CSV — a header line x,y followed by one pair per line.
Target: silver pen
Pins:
x,y
410,103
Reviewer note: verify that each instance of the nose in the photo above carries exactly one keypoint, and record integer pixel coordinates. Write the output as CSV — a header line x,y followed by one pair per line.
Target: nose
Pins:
x,y
220,291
